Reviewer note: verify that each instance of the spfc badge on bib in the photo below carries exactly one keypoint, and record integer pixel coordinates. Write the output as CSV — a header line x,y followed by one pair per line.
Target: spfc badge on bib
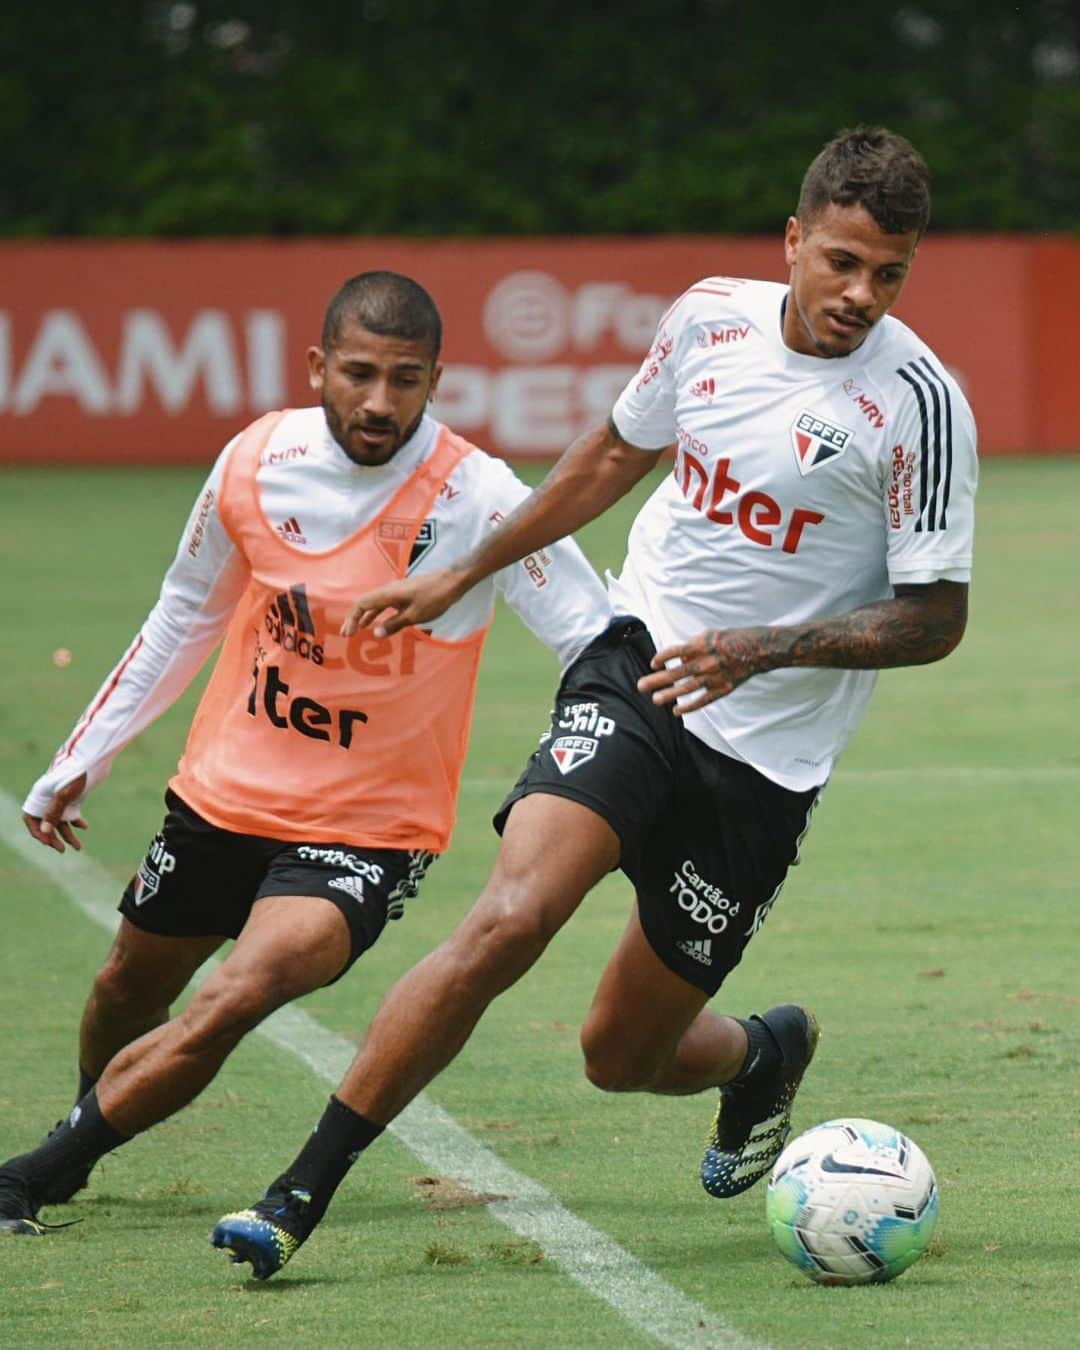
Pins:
x,y
424,541
395,536
817,442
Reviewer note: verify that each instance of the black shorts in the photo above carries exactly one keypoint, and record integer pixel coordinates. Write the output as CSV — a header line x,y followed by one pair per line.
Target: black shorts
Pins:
x,y
706,839
198,880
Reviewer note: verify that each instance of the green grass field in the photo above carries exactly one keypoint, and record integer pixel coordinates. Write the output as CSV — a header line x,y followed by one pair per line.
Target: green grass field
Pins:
x,y
933,927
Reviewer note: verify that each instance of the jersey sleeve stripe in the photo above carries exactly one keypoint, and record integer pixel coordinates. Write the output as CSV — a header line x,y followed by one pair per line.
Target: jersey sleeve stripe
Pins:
x,y
103,698
701,290
924,445
935,405
935,375
932,393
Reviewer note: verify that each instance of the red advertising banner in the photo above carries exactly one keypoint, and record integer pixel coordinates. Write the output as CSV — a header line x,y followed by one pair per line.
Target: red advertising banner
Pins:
x,y
157,351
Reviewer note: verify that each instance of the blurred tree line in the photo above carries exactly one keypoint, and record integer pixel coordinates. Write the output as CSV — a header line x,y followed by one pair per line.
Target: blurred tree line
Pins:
x,y
420,117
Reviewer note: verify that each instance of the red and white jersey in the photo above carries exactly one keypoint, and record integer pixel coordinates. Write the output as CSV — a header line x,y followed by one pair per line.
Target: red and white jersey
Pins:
x,y
803,487
315,497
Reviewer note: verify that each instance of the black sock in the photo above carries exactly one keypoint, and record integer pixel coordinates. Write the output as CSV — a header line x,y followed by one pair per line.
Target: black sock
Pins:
x,y
80,1140
333,1146
762,1050
85,1084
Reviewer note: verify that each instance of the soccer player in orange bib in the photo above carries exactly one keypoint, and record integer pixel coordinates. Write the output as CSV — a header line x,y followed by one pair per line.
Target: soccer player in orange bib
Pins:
x,y
817,528
321,773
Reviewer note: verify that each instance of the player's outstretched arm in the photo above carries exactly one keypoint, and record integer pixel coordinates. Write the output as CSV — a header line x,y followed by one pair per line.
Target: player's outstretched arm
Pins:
x,y
50,828
919,624
597,469
198,595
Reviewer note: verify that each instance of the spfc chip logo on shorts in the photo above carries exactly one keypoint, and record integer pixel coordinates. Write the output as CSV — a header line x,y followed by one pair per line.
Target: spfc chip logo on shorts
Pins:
x,y
570,752
154,866
817,442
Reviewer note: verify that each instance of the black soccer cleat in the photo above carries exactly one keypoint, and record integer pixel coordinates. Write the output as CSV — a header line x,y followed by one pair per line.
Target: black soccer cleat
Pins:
x,y
753,1118
18,1213
270,1232
18,1208
60,1189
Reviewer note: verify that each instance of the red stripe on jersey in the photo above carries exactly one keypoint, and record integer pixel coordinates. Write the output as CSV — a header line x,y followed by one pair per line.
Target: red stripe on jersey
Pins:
x,y
699,290
106,693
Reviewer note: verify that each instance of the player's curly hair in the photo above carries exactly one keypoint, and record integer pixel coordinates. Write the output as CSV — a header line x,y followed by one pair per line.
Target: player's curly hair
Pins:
x,y
386,303
873,168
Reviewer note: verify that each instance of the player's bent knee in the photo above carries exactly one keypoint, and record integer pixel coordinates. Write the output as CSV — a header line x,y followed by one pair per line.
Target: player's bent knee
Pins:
x,y
122,986
612,1065
504,937
227,1008
617,1074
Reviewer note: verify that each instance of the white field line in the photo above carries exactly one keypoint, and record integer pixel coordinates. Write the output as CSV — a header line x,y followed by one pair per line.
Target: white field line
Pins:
x,y
588,1256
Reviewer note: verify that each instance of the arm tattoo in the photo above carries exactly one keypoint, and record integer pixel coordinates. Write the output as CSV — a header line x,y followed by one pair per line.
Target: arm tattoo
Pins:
x,y
920,624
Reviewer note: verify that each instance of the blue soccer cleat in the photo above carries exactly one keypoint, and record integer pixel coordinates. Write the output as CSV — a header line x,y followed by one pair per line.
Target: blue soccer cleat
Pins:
x,y
270,1232
753,1118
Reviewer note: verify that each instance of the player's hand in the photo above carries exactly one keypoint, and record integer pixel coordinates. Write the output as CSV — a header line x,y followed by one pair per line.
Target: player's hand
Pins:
x,y
413,600
707,667
50,828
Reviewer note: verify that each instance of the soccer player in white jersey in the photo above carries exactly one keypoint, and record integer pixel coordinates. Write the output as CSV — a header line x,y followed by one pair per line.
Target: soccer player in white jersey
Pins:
x,y
817,527
320,773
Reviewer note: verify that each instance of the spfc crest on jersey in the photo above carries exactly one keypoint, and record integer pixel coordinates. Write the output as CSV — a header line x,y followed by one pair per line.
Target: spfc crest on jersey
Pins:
x,y
393,538
817,442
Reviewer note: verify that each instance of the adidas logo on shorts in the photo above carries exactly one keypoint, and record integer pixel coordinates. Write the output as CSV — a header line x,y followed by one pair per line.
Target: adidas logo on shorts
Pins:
x,y
352,886
700,949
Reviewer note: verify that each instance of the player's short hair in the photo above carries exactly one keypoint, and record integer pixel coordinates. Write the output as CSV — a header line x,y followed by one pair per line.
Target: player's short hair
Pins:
x,y
386,303
872,168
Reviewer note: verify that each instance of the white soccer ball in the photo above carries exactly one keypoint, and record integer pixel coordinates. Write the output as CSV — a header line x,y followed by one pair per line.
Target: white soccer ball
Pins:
x,y
852,1202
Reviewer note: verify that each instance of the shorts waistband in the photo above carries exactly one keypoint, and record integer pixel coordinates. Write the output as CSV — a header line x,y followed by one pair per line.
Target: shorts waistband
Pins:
x,y
623,626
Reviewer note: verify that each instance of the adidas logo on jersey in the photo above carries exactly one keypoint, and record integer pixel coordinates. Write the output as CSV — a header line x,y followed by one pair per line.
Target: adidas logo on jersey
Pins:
x,y
700,949
352,886
291,532
290,623
704,389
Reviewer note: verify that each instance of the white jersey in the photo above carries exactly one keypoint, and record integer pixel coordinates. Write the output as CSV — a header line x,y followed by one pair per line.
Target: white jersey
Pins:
x,y
316,497
803,487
